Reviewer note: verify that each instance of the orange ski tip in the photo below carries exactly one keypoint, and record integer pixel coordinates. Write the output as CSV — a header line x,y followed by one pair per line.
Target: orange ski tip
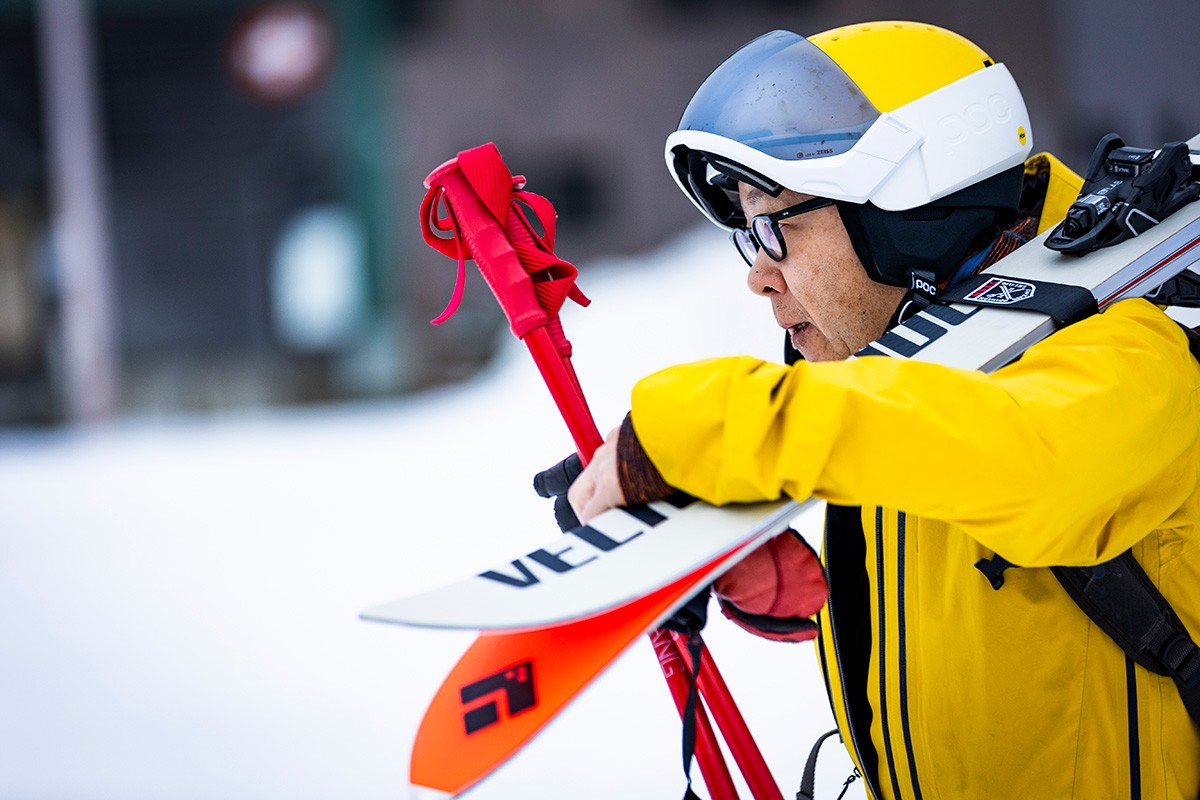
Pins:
x,y
510,684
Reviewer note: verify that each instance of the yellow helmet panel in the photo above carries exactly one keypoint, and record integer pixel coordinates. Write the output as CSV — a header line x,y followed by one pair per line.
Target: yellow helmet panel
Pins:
x,y
895,62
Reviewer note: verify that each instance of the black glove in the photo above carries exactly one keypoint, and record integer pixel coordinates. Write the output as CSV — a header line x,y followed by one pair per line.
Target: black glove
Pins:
x,y
555,482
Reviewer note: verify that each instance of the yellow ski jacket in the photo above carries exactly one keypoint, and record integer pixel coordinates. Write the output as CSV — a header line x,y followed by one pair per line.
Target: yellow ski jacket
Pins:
x,y
942,686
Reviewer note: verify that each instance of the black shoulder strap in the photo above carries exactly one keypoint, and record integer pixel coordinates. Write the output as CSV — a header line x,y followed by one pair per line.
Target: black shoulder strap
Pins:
x,y
808,781
1122,600
1064,303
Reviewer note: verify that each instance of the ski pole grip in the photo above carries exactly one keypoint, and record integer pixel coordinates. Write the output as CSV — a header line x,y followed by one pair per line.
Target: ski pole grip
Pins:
x,y
486,237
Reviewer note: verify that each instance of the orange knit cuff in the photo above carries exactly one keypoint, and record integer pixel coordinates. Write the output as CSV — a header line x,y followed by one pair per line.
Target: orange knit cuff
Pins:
x,y
641,481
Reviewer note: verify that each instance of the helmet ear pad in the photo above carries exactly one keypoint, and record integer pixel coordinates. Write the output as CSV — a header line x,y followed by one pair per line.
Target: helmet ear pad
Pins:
x,y
935,237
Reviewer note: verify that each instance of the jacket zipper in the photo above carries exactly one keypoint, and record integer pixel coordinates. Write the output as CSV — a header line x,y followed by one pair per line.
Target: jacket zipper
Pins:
x,y
1135,763
881,637
868,778
902,615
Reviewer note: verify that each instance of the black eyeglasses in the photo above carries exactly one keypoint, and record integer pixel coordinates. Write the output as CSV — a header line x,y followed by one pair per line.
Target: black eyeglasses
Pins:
x,y
763,231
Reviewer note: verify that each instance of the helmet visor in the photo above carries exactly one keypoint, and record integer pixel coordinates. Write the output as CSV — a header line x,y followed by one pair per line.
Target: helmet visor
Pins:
x,y
781,95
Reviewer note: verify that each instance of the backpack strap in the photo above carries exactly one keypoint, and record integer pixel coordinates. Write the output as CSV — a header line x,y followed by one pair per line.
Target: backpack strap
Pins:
x,y
808,782
1122,600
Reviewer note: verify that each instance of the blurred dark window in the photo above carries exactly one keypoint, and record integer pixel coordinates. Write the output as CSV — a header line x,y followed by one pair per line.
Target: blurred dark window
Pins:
x,y
26,283
577,192
203,179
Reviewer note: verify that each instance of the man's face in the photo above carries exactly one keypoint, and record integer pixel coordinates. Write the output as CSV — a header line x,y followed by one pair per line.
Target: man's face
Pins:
x,y
820,293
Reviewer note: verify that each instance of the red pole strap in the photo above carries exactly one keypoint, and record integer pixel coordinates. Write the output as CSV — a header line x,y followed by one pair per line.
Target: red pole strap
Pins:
x,y
485,213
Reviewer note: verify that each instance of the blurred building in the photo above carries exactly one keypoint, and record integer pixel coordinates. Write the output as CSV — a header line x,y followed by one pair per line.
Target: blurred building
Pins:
x,y
260,165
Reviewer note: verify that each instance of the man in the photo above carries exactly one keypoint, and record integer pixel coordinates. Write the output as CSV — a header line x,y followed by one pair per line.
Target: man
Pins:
x,y
855,169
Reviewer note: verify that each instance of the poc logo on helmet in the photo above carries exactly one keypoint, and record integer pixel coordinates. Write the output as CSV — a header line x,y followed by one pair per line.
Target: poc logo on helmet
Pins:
x,y
976,118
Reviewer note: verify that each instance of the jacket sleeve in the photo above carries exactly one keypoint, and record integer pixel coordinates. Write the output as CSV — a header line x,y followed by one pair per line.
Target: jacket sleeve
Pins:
x,y
1068,456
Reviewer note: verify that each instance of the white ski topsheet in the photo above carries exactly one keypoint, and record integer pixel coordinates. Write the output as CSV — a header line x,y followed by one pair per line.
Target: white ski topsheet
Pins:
x,y
620,556
582,574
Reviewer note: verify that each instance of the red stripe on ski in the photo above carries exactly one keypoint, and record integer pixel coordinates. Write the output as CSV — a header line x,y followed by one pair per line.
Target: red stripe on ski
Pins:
x,y
1150,271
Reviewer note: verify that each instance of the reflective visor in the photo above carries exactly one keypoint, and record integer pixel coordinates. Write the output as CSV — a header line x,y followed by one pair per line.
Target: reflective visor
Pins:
x,y
781,95
781,113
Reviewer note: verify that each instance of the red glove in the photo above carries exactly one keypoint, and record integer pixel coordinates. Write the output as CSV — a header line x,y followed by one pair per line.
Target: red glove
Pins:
x,y
775,590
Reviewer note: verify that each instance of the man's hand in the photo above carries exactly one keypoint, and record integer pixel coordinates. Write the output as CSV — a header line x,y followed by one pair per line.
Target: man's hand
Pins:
x,y
598,488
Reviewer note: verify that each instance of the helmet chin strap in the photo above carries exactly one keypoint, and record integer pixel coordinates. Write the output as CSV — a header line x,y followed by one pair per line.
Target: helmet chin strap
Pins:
x,y
922,292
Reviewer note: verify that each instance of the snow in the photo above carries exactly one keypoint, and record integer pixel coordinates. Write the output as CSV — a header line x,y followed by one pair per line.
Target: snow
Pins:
x,y
179,597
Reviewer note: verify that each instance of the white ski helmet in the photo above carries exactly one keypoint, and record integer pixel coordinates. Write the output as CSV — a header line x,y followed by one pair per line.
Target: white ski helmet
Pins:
x,y
914,131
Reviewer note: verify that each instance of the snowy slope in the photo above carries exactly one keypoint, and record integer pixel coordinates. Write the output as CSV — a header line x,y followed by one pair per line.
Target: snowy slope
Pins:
x,y
179,599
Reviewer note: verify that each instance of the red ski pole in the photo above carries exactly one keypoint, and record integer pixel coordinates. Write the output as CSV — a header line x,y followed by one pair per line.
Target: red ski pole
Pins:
x,y
484,222
732,725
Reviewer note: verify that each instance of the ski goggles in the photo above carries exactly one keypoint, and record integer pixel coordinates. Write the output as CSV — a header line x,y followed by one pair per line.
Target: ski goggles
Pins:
x,y
764,232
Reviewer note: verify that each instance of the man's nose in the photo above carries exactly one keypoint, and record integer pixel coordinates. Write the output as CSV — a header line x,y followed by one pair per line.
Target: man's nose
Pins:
x,y
765,278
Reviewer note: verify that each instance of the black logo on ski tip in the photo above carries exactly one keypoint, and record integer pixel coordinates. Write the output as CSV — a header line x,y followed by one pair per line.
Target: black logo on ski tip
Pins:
x,y
1002,292
516,682
589,544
